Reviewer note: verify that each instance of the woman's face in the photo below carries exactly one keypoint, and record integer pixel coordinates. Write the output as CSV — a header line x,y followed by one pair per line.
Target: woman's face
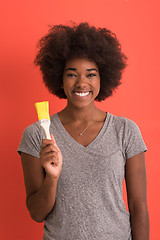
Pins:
x,y
81,81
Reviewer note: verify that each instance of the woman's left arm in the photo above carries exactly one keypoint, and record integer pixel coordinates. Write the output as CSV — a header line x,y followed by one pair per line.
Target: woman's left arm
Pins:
x,y
135,176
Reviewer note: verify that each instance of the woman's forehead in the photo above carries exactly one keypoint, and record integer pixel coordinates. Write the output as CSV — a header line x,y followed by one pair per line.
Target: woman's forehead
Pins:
x,y
83,63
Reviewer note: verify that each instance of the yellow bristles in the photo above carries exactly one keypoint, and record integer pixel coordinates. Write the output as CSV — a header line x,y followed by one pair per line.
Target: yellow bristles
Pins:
x,y
42,110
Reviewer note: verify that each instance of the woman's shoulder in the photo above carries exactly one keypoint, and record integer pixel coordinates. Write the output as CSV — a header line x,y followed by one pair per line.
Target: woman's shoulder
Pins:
x,y
121,119
123,122
32,128
128,131
31,140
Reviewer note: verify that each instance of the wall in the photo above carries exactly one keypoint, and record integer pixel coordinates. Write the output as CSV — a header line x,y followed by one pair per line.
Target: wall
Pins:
x,y
136,23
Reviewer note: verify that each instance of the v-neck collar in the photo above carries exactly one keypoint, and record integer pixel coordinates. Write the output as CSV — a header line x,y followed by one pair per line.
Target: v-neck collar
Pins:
x,y
72,141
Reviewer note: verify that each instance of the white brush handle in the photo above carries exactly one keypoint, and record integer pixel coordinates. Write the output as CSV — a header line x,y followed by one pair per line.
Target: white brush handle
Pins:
x,y
45,123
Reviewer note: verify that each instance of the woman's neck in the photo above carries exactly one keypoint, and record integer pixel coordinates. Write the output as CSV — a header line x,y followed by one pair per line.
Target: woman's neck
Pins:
x,y
79,114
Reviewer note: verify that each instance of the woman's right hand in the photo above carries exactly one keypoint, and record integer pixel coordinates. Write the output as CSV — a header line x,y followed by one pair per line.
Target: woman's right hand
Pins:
x,y
51,157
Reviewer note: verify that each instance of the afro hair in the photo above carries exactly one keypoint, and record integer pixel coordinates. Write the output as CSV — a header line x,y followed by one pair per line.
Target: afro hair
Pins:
x,y
97,44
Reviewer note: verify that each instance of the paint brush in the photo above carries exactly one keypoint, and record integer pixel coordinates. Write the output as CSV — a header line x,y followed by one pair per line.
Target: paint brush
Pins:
x,y
43,116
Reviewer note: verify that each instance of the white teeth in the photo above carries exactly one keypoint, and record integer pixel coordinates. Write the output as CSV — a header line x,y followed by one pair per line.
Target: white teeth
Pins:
x,y
81,94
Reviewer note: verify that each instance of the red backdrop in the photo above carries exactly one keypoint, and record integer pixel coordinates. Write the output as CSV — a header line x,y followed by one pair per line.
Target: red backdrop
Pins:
x,y
136,23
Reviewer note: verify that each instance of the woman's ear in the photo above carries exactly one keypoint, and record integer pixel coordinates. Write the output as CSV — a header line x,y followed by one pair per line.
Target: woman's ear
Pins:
x,y
62,86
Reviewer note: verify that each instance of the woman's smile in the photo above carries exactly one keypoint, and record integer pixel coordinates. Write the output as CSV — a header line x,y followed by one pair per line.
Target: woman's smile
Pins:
x,y
81,94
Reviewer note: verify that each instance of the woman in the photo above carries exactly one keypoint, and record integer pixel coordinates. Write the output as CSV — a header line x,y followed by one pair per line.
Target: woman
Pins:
x,y
74,181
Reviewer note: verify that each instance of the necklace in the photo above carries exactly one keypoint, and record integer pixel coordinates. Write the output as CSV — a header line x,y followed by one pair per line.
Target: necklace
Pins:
x,y
81,133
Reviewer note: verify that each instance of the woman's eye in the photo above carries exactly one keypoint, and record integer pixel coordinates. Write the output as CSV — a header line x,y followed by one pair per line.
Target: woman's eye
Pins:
x,y
71,75
91,75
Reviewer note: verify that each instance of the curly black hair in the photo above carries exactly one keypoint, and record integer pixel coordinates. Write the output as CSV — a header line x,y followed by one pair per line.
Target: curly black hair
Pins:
x,y
65,42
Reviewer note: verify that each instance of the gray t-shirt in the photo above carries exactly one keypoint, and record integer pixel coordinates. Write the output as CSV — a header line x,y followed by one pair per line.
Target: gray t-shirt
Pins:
x,y
89,203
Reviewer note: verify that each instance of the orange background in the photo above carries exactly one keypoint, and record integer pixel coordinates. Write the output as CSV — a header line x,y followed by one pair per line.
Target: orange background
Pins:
x,y
136,24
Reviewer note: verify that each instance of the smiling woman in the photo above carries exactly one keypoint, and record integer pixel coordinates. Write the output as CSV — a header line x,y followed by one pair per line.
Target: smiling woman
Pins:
x,y
74,181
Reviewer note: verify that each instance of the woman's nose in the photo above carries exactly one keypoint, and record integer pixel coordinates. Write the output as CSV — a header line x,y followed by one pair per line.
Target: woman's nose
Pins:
x,y
82,81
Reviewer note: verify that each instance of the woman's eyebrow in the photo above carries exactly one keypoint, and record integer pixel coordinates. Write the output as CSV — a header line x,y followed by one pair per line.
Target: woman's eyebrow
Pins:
x,y
74,69
92,69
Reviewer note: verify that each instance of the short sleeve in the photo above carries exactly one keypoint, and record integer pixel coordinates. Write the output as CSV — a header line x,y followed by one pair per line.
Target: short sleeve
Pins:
x,y
133,140
31,140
